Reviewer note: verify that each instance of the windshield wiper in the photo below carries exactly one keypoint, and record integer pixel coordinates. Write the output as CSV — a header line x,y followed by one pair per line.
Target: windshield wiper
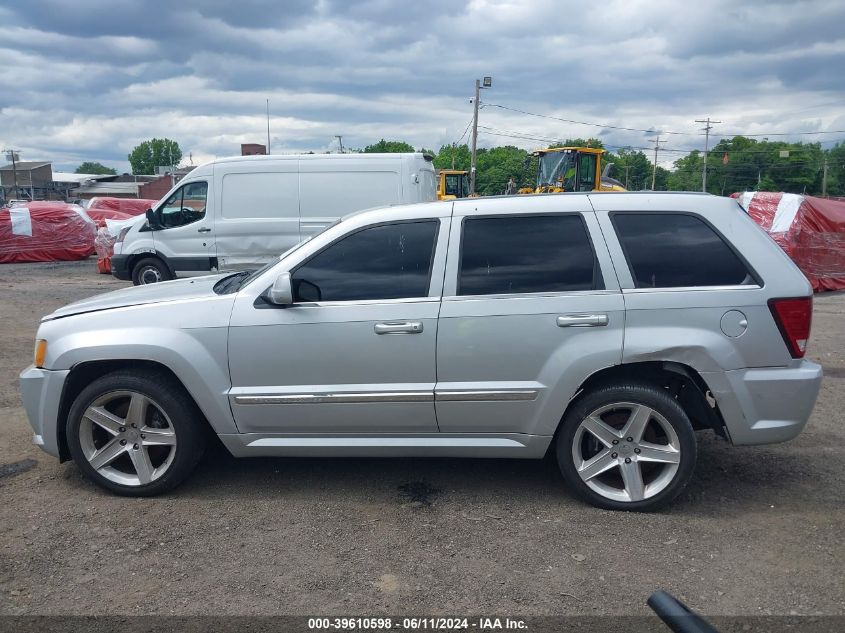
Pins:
x,y
227,285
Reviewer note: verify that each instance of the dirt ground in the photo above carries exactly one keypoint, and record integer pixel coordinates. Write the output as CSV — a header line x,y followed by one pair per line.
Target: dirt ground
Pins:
x,y
758,531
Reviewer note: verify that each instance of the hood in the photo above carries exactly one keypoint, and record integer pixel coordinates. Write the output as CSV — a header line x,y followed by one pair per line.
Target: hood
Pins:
x,y
177,290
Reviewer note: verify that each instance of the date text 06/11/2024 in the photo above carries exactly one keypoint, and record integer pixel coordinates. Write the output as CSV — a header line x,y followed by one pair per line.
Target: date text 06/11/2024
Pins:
x,y
417,624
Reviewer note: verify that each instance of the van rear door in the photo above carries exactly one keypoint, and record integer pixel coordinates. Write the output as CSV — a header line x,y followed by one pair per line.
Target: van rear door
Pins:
x,y
258,211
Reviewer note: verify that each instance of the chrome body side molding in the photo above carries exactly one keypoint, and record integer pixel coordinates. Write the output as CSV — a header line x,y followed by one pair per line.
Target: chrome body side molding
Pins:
x,y
480,395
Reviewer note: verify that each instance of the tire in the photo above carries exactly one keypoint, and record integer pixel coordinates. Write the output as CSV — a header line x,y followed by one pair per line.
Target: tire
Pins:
x,y
593,439
153,456
150,270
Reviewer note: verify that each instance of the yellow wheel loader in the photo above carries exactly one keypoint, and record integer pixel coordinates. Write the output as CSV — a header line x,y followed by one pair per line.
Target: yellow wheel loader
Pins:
x,y
452,183
571,169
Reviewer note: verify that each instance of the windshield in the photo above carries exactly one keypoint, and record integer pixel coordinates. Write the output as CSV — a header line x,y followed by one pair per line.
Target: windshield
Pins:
x,y
557,169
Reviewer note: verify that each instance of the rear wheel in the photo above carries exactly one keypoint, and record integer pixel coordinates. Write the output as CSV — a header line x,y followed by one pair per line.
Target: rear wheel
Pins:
x,y
135,434
150,270
627,447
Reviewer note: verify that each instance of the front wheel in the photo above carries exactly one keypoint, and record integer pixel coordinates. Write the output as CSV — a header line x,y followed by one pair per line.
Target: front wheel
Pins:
x,y
150,270
136,434
627,447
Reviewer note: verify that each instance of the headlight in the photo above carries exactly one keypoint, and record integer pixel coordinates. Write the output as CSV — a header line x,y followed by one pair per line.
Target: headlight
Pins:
x,y
122,234
40,352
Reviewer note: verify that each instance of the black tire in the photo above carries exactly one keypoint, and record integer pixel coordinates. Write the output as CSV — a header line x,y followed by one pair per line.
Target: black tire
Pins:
x,y
150,270
652,397
166,395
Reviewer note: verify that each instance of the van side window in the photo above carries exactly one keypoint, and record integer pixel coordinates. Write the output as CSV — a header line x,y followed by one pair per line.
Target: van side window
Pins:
x,y
676,250
532,253
391,261
186,205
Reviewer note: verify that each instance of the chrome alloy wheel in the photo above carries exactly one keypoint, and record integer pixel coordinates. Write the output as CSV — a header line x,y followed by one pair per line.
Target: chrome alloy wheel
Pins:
x,y
626,452
127,438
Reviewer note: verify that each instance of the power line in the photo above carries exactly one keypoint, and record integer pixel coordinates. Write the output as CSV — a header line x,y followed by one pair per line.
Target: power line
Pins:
x,y
466,129
675,150
602,125
652,130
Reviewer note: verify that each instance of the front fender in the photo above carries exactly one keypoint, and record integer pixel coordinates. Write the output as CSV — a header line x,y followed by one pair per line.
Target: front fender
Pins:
x,y
196,356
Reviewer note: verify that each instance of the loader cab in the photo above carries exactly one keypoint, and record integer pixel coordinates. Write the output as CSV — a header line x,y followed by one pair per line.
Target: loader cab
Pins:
x,y
568,169
452,184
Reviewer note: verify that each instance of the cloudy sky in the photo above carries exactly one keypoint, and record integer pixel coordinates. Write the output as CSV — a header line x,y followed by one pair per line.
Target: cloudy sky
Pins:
x,y
89,79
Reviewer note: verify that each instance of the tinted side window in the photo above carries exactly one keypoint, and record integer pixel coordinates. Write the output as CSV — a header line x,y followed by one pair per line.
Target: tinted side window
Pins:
x,y
541,253
381,262
666,250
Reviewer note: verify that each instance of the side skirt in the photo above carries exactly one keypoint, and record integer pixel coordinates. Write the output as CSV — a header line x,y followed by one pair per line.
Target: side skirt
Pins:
x,y
511,445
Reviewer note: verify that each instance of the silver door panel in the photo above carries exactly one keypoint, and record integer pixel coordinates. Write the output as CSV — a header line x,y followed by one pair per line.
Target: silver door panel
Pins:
x,y
493,342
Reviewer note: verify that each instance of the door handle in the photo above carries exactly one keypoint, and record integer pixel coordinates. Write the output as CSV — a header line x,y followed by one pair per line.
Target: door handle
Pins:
x,y
399,327
582,320
204,229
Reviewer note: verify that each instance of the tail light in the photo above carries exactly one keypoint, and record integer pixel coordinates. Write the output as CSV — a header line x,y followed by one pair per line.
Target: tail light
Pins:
x,y
793,318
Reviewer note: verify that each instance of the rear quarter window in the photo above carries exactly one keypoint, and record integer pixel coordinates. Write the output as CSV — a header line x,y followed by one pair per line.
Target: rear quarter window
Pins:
x,y
676,250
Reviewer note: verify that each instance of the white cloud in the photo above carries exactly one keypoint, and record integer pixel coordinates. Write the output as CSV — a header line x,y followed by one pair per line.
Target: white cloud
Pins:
x,y
89,81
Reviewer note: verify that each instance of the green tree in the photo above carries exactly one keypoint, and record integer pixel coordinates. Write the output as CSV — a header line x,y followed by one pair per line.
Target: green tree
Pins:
x,y
496,164
631,168
835,158
89,167
389,147
460,154
156,152
687,173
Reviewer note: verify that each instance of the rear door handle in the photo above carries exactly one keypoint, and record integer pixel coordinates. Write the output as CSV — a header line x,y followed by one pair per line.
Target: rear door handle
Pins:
x,y
204,229
399,327
582,320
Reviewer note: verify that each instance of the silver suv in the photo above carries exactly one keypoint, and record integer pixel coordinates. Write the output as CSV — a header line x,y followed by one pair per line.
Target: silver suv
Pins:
x,y
605,328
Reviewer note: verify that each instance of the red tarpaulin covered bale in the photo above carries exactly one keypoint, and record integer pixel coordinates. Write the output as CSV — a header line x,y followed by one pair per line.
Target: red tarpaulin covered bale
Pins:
x,y
129,206
811,230
45,232
101,215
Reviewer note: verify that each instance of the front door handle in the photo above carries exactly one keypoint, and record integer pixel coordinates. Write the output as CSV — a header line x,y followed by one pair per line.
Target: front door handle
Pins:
x,y
204,229
399,327
582,320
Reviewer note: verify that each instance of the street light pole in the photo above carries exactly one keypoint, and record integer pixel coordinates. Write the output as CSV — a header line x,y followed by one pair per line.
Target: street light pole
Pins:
x,y
488,82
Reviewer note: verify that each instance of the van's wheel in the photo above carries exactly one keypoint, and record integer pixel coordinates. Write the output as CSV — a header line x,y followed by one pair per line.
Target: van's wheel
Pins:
x,y
150,270
627,447
137,434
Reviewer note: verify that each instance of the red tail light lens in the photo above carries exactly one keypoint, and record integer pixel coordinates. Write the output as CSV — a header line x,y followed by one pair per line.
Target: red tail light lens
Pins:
x,y
793,317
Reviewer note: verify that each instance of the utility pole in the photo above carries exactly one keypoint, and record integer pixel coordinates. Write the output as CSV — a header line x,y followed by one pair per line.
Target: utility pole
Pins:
x,y
706,129
824,178
12,155
268,127
339,142
627,167
487,83
657,143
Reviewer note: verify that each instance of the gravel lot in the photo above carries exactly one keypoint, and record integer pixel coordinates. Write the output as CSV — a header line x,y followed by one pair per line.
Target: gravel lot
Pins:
x,y
759,530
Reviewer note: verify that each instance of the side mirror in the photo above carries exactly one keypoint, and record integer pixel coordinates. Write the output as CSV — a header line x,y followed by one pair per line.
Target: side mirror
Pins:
x,y
152,220
281,292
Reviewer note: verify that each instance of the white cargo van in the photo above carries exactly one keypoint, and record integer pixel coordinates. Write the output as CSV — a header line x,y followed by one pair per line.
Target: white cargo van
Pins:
x,y
240,212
